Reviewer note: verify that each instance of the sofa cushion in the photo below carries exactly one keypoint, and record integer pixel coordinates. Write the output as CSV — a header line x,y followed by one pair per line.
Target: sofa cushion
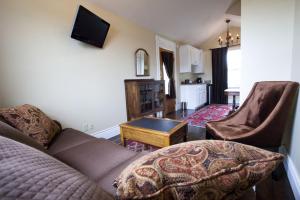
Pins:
x,y
14,134
67,139
32,122
94,157
27,173
106,181
206,169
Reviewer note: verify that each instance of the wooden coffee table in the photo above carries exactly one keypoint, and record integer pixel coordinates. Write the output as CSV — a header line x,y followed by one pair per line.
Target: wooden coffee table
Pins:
x,y
159,132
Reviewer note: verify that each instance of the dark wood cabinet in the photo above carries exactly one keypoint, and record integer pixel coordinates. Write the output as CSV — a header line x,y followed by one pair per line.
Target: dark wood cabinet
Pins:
x,y
144,97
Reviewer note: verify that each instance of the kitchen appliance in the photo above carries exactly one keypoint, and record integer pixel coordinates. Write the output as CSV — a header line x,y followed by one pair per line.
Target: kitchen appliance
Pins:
x,y
199,80
187,81
209,93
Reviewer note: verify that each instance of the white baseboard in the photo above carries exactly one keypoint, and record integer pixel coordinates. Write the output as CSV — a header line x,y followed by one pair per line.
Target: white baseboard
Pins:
x,y
292,174
107,133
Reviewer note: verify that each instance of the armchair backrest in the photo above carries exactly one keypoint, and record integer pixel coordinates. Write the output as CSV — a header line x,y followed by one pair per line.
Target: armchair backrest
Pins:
x,y
264,98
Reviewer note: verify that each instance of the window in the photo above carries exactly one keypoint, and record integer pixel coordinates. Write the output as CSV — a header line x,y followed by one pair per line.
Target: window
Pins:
x,y
166,79
234,67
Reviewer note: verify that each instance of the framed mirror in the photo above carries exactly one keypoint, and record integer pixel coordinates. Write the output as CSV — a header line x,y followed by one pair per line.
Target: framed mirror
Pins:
x,y
142,63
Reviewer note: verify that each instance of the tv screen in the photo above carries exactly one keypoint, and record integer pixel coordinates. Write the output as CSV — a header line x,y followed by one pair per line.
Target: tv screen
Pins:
x,y
90,28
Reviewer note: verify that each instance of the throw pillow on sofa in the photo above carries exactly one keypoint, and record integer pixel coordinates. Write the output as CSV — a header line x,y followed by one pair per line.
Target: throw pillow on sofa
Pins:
x,y
32,122
206,169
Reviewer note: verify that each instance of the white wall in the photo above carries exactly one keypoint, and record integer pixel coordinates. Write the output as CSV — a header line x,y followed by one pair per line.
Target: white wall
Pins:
x,y
270,51
72,82
266,42
295,138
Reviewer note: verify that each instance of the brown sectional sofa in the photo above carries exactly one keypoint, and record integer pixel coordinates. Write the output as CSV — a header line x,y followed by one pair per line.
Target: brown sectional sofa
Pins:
x,y
99,159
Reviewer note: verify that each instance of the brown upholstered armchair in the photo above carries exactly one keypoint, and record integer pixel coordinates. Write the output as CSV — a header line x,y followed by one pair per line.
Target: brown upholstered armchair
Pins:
x,y
264,117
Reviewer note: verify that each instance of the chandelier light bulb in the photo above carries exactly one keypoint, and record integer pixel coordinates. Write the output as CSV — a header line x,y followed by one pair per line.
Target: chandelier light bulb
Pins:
x,y
229,40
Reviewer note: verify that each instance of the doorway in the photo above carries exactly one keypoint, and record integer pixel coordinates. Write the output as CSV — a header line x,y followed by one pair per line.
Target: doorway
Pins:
x,y
167,60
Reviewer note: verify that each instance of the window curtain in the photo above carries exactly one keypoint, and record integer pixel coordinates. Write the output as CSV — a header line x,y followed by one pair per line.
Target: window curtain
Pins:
x,y
219,75
168,60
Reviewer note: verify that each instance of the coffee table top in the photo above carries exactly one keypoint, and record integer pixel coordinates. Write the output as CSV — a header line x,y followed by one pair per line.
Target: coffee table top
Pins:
x,y
158,124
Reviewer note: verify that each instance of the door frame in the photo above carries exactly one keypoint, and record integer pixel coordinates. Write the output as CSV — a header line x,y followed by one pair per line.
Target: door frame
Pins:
x,y
163,43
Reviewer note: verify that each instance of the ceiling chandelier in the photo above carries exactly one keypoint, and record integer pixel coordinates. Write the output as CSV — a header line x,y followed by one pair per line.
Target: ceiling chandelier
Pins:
x,y
229,40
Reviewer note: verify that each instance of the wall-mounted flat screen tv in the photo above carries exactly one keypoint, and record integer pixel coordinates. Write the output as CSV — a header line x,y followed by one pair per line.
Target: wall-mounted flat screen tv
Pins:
x,y
90,28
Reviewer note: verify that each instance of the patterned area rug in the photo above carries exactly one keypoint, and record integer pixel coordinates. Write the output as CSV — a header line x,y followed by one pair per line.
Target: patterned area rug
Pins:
x,y
208,113
133,145
139,147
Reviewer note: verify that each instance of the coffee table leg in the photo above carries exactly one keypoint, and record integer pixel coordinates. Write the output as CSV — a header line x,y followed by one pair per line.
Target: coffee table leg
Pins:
x,y
123,140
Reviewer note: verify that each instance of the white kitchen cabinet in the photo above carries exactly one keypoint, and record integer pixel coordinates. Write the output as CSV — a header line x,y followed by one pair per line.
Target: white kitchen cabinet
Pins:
x,y
185,59
195,56
191,59
198,67
194,95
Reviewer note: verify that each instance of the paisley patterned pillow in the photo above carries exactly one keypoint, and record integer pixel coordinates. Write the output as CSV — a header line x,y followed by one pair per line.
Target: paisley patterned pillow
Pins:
x,y
205,169
32,122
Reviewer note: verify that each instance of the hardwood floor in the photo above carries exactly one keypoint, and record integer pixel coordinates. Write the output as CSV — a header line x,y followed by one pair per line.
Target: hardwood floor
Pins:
x,y
269,189
275,190
180,114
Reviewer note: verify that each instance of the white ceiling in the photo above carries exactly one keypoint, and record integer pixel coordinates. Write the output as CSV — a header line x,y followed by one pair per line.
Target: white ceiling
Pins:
x,y
188,21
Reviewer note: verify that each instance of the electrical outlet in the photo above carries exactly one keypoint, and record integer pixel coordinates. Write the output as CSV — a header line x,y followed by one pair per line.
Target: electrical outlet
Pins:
x,y
91,127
